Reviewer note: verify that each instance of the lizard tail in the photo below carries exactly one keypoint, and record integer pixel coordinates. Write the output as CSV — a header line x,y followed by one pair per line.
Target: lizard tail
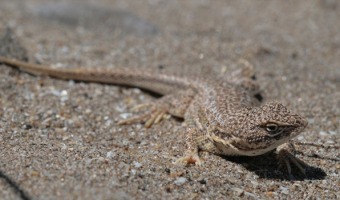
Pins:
x,y
162,84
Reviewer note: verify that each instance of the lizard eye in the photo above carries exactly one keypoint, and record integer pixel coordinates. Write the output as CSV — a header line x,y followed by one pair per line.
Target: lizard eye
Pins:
x,y
271,127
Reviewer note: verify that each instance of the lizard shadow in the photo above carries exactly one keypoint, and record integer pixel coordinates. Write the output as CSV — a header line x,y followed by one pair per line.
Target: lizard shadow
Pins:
x,y
265,166
14,186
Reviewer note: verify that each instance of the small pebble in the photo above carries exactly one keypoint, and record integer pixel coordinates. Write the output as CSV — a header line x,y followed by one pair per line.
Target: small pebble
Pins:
x,y
110,154
180,181
332,132
323,133
284,190
137,164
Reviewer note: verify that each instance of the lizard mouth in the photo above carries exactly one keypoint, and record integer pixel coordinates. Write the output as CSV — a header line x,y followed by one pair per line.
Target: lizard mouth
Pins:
x,y
239,147
255,150
265,145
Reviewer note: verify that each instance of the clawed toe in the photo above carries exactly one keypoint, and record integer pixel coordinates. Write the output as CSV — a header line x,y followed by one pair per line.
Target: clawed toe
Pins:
x,y
141,107
189,159
134,119
149,118
155,117
286,159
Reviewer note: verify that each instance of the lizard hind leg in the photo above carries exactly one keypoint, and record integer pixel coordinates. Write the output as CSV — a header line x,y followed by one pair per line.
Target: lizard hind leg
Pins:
x,y
246,79
244,73
174,104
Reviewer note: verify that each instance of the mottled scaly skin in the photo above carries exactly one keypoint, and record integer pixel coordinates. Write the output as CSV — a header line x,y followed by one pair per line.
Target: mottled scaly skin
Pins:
x,y
223,116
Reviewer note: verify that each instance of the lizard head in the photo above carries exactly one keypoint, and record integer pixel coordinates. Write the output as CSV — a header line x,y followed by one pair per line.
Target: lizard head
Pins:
x,y
266,127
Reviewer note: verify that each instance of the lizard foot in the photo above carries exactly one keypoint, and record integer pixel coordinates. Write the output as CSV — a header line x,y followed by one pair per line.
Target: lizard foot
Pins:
x,y
286,158
189,159
156,115
141,107
191,155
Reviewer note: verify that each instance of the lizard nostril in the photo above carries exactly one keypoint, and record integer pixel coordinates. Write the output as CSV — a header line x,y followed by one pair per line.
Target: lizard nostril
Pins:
x,y
305,123
302,122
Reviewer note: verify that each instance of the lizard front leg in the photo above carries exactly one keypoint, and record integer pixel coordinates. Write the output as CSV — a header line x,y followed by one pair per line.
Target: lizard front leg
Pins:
x,y
191,155
286,157
196,135
196,141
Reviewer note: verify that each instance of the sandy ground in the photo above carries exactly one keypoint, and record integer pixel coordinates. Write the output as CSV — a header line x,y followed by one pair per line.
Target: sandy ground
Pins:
x,y
59,139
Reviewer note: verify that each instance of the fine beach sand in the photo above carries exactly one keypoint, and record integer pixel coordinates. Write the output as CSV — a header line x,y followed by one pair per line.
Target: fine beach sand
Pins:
x,y
59,139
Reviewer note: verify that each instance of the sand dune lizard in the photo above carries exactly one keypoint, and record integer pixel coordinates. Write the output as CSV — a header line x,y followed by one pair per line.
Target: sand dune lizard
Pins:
x,y
222,115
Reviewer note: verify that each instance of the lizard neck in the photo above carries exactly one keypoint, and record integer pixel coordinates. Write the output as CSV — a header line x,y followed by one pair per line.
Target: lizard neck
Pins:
x,y
228,105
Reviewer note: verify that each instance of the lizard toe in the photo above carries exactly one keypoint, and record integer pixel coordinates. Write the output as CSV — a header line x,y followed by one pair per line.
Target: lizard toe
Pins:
x,y
189,160
286,160
149,118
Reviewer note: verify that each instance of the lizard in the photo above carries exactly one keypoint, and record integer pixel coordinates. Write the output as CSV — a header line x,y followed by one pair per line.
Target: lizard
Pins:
x,y
222,115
